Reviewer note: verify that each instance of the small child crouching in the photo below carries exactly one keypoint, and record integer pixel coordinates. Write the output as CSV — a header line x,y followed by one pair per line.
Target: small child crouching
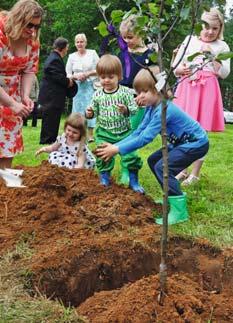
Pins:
x,y
70,150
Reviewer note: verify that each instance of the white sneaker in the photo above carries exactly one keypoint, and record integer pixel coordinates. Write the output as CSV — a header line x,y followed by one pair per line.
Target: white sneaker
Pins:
x,y
182,176
190,180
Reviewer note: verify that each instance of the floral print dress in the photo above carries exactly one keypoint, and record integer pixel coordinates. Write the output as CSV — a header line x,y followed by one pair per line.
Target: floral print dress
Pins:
x,y
11,70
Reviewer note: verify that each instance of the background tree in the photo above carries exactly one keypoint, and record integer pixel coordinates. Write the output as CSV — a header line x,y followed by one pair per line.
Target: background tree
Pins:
x,y
67,18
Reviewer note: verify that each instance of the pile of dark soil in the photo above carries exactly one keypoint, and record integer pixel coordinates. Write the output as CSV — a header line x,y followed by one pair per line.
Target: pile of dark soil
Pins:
x,y
98,249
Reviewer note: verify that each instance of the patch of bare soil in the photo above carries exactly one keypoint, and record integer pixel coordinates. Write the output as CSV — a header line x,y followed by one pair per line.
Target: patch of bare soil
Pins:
x,y
98,249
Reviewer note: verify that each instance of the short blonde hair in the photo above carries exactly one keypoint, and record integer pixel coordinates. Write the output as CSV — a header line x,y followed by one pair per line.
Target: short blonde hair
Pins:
x,y
82,36
129,24
109,64
19,16
214,15
144,81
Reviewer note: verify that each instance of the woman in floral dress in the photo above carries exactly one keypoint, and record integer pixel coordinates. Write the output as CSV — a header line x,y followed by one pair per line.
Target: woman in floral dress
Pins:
x,y
19,55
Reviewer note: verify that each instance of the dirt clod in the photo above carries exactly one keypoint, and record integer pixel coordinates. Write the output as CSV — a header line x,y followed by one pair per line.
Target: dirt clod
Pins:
x,y
98,249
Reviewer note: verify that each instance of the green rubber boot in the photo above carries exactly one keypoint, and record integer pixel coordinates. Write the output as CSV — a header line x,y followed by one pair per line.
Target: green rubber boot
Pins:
x,y
178,210
124,180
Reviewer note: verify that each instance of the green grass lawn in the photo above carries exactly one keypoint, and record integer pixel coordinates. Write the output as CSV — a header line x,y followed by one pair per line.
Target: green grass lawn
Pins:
x,y
210,201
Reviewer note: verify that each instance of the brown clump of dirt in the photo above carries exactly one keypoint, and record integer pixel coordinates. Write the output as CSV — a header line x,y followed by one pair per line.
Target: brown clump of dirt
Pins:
x,y
98,249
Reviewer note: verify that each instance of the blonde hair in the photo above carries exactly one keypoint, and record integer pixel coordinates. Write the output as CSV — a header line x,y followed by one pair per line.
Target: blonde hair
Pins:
x,y
82,36
212,16
144,81
19,16
109,64
129,24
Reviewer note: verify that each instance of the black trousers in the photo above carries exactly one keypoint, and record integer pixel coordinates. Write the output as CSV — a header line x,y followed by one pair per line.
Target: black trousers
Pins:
x,y
51,116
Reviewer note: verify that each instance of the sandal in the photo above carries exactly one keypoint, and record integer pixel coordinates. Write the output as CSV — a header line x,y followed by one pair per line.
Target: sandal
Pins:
x,y
182,176
190,180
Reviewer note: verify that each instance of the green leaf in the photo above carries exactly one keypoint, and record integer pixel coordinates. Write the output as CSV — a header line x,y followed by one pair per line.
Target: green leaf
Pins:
x,y
129,13
102,28
205,7
198,28
205,23
169,2
191,57
116,15
155,30
184,14
153,57
153,9
224,56
163,27
142,20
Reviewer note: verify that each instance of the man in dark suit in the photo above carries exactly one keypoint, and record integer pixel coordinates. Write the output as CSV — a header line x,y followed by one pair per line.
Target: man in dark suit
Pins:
x,y
53,89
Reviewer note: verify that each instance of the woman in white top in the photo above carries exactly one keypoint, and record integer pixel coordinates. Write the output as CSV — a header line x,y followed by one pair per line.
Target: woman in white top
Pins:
x,y
81,66
199,94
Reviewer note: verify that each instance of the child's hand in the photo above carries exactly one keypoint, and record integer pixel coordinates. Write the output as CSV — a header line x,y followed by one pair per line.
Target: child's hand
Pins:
x,y
217,66
123,109
89,112
39,151
106,150
183,70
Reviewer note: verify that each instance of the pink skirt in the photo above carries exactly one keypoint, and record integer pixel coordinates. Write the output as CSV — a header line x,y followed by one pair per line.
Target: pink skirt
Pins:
x,y
201,99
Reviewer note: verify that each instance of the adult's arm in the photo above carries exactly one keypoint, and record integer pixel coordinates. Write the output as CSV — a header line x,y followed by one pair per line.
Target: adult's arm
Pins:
x,y
18,108
69,69
95,59
28,75
26,84
55,71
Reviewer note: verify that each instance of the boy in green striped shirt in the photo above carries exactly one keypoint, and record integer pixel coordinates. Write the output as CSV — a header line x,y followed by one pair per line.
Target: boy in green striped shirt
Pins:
x,y
113,105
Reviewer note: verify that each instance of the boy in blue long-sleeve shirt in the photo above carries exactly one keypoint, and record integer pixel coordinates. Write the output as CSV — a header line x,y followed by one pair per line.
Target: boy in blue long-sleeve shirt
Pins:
x,y
187,142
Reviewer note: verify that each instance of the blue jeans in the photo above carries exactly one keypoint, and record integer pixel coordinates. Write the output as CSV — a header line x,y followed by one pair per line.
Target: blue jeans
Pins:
x,y
179,158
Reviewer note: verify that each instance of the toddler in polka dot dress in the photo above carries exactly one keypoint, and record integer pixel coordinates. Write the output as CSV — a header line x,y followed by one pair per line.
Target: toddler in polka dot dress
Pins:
x,y
70,150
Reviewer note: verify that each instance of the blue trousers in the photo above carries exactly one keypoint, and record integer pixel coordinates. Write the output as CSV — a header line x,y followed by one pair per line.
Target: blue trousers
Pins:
x,y
179,158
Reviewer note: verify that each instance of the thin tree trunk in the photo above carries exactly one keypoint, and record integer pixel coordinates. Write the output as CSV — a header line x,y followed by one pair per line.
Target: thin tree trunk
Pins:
x,y
163,264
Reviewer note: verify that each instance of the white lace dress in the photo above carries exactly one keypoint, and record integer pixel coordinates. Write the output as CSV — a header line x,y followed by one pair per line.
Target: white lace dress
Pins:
x,y
66,155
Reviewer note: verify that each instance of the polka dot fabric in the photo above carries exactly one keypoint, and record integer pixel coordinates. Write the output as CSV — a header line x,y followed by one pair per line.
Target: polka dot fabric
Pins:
x,y
66,155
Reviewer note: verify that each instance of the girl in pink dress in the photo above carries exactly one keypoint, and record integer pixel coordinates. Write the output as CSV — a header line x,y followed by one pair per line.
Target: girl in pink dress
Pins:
x,y
19,54
199,94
